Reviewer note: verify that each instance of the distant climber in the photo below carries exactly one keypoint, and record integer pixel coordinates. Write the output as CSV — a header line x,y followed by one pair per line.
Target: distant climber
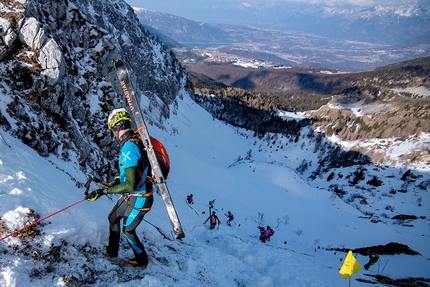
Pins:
x,y
269,233
190,199
262,233
373,258
230,217
213,220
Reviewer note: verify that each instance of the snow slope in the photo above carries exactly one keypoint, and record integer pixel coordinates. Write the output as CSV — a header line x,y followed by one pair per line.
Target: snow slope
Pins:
x,y
208,160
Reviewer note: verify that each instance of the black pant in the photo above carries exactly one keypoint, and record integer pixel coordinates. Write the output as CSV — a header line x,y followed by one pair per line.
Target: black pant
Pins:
x,y
370,263
132,217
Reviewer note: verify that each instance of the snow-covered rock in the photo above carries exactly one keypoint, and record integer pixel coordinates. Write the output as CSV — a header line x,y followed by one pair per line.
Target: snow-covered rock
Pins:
x,y
31,34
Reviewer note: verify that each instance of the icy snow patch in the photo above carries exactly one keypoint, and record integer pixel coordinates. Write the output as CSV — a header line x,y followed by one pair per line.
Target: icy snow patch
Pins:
x,y
420,91
359,109
290,115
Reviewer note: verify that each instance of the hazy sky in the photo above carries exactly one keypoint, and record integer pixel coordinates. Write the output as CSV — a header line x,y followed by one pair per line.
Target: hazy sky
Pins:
x,y
170,4
199,9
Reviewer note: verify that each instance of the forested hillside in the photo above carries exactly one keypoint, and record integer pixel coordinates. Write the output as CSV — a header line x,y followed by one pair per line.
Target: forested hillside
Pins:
x,y
398,110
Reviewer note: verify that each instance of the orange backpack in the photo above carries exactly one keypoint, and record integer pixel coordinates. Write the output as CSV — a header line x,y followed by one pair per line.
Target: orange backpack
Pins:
x,y
160,152
162,156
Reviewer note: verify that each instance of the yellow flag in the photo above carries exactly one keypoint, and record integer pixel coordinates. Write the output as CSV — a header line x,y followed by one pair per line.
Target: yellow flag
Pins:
x,y
350,266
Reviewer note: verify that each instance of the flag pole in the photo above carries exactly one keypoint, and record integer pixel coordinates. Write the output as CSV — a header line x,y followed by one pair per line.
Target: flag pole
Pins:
x,y
350,271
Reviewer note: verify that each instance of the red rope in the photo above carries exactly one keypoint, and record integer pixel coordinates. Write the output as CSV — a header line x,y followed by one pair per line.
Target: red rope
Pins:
x,y
46,217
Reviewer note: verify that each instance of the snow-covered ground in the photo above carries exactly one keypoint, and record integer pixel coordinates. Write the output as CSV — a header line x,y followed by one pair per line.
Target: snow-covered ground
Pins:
x,y
359,109
392,148
418,91
207,159
291,115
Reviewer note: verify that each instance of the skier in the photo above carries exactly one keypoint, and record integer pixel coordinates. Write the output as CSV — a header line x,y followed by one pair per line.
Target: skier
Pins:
x,y
262,233
136,191
190,199
269,233
213,219
373,258
230,218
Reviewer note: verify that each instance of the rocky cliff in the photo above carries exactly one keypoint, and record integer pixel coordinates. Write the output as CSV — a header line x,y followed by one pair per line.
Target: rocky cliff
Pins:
x,y
59,83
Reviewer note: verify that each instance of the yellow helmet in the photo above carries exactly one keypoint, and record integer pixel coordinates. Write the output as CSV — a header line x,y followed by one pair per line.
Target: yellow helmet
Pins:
x,y
116,116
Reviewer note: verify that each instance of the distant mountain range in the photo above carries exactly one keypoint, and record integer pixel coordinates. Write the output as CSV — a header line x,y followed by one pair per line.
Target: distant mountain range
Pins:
x,y
387,25
390,25
344,39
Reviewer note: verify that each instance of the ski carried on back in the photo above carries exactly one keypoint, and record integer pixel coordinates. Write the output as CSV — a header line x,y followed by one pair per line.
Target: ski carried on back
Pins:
x,y
124,79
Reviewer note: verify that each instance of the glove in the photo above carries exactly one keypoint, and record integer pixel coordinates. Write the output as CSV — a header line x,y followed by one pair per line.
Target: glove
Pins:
x,y
114,182
94,195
